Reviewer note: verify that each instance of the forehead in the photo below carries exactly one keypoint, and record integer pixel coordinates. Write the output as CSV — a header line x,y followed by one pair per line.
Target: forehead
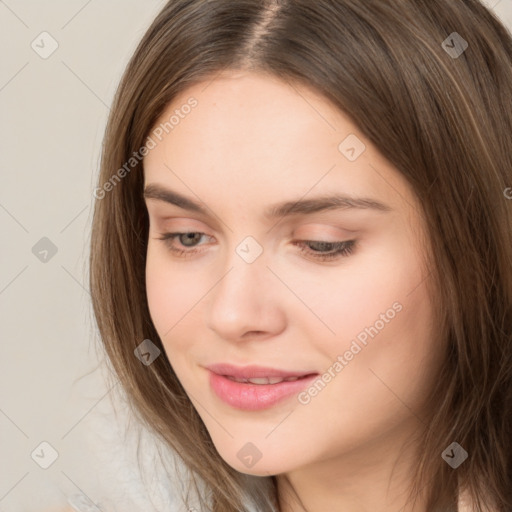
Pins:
x,y
252,135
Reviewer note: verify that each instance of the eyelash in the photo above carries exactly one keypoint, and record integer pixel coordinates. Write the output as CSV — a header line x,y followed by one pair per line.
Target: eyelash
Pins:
x,y
342,249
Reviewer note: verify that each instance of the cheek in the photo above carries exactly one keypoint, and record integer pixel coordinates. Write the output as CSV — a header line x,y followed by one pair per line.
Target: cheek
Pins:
x,y
354,295
158,290
382,317
171,293
379,314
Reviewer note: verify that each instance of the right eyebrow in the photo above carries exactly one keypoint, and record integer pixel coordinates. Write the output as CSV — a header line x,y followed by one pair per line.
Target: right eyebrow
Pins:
x,y
159,193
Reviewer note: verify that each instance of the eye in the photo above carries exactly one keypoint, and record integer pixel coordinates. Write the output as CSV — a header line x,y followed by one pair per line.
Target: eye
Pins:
x,y
317,249
326,251
187,239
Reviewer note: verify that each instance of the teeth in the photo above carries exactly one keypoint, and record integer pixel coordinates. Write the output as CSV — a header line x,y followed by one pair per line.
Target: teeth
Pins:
x,y
262,380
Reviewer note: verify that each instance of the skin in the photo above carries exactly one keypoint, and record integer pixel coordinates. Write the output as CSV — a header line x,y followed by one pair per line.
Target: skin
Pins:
x,y
253,141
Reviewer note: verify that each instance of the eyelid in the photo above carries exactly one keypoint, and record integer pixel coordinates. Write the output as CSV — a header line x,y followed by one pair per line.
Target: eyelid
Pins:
x,y
325,234
342,248
323,221
320,232
173,223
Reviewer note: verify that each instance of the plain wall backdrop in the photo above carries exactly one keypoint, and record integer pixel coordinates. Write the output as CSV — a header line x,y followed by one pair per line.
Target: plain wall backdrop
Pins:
x,y
61,63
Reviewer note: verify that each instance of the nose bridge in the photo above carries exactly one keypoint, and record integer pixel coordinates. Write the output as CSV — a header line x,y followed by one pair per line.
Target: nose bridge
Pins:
x,y
247,261
244,299
245,269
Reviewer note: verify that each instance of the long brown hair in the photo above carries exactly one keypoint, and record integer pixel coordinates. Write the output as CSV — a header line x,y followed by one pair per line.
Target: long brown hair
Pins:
x,y
439,110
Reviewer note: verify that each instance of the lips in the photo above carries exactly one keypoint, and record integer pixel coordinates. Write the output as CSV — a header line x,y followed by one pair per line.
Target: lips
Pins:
x,y
255,372
252,388
262,380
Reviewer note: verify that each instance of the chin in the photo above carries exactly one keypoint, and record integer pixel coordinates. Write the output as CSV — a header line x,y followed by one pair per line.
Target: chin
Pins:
x,y
254,471
260,468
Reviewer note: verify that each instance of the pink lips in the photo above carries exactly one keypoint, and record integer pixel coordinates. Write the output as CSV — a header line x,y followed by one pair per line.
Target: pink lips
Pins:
x,y
254,397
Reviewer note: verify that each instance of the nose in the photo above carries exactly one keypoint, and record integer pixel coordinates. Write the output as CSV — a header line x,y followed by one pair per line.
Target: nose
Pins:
x,y
246,303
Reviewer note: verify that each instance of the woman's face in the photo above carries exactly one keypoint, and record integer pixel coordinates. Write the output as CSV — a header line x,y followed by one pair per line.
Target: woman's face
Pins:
x,y
254,287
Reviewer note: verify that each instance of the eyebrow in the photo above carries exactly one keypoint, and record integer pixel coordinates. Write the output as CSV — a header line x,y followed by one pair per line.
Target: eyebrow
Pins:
x,y
287,208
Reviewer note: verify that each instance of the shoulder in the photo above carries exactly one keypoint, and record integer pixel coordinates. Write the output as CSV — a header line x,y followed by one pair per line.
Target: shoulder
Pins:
x,y
132,469
80,503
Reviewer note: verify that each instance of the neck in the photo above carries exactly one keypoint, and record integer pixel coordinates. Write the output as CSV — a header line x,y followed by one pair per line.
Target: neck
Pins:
x,y
376,478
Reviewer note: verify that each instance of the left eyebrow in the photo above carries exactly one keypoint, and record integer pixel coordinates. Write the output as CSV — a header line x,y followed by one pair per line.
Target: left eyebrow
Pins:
x,y
323,203
285,209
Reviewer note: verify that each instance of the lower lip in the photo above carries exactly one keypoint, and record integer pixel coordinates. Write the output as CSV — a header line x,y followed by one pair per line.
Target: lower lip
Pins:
x,y
255,397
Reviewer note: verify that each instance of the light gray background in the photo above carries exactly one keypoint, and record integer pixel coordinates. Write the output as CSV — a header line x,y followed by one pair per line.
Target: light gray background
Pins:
x,y
53,113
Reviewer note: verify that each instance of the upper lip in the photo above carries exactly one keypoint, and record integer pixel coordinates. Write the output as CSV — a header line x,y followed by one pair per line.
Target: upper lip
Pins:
x,y
253,371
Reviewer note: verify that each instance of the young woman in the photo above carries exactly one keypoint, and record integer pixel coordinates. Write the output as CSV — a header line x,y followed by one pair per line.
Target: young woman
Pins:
x,y
301,260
